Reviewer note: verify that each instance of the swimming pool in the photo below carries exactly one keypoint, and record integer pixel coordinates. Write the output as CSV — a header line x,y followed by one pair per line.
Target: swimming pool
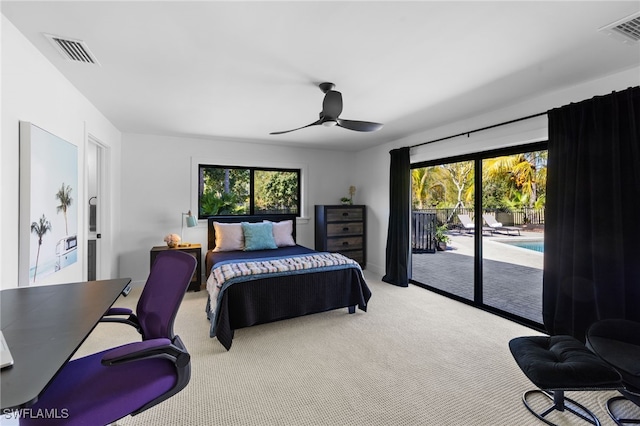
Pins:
x,y
537,245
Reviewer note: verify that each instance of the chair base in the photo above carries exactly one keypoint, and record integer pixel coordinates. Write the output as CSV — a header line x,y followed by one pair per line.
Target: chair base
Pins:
x,y
560,404
619,421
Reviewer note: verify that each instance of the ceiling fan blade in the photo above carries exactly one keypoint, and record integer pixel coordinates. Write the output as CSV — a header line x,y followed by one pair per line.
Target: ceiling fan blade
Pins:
x,y
359,126
287,131
332,104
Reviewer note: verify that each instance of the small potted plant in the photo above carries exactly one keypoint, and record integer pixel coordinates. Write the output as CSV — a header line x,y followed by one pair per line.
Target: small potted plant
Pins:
x,y
349,200
441,239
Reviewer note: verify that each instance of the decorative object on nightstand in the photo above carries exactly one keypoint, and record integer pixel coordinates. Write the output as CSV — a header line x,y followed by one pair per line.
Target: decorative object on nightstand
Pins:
x,y
172,240
349,200
342,229
194,250
191,222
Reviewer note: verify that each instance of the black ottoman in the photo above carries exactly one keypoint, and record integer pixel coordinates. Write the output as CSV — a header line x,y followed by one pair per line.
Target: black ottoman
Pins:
x,y
617,342
557,364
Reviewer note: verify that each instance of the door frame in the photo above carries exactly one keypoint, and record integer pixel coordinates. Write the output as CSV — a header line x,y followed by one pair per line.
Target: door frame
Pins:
x,y
477,158
103,213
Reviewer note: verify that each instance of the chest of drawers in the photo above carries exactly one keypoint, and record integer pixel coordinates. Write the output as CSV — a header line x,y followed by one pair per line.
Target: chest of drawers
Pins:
x,y
342,229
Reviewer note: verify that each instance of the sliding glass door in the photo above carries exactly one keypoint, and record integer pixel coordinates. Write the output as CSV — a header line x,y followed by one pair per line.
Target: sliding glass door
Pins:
x,y
513,194
442,205
489,210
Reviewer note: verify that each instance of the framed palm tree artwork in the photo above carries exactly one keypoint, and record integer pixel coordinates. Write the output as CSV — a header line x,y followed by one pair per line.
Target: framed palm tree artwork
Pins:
x,y
49,218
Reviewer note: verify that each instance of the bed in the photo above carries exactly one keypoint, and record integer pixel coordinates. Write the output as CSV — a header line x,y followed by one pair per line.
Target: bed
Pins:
x,y
279,287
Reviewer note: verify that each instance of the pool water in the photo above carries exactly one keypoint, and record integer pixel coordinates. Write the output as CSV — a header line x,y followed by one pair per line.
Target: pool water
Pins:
x,y
529,245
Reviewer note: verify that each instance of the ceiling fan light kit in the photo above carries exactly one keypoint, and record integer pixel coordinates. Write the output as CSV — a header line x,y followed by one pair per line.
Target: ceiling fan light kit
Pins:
x,y
331,110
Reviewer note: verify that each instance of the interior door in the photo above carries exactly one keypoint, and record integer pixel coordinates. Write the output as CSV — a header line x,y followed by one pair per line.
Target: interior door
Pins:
x,y
95,183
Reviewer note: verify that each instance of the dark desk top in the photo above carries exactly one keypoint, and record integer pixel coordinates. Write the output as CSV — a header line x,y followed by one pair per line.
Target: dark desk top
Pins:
x,y
44,326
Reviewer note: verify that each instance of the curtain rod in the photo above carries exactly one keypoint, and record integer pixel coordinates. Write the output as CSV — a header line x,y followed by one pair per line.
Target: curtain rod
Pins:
x,y
479,130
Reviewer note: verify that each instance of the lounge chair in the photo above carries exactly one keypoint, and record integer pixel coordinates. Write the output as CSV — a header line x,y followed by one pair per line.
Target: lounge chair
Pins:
x,y
467,224
466,221
497,226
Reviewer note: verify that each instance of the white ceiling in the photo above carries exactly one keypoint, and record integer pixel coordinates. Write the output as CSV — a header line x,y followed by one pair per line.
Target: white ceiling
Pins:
x,y
239,70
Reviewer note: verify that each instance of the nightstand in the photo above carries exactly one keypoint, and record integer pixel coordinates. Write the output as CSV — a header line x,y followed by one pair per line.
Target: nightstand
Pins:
x,y
194,250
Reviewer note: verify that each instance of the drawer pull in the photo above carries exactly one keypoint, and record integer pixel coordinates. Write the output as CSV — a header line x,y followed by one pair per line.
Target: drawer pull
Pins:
x,y
345,243
345,214
345,229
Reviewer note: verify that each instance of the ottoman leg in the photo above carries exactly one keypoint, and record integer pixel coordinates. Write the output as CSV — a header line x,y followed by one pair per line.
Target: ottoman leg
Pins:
x,y
560,403
619,420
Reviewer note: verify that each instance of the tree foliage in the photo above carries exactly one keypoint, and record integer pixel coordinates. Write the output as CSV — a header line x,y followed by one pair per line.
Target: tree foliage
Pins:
x,y
226,181
447,185
276,190
508,182
225,191
215,203
526,174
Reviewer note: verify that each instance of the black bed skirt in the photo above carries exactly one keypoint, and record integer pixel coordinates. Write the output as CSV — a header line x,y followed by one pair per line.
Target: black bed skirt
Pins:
x,y
272,299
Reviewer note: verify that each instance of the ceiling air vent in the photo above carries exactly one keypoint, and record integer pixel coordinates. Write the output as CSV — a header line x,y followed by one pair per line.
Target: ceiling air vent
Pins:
x,y
72,50
626,29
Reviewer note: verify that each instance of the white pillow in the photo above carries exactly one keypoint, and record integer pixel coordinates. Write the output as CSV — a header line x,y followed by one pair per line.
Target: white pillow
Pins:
x,y
229,236
283,233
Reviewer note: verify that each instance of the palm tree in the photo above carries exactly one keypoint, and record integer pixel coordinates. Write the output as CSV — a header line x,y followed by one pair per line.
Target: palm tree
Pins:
x,y
526,170
39,228
419,186
64,195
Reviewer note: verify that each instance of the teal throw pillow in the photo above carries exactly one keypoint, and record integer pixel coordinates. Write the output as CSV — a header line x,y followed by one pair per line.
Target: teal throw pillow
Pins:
x,y
258,236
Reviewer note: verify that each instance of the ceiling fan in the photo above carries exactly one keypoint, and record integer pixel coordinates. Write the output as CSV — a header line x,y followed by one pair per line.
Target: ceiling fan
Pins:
x,y
330,114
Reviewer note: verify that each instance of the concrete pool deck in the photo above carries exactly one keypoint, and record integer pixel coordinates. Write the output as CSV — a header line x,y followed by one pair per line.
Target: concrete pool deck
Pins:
x,y
493,249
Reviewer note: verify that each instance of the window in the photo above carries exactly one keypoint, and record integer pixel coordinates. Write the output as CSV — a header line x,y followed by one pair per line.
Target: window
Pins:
x,y
232,190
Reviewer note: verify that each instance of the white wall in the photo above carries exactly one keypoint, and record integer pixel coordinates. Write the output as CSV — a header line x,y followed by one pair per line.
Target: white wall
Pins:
x,y
159,183
34,90
376,184
156,182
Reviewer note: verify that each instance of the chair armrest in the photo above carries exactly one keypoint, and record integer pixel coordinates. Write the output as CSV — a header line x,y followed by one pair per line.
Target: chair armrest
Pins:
x,y
153,348
132,319
134,351
119,311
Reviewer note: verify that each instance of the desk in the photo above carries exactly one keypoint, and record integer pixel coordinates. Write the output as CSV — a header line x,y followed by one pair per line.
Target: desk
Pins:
x,y
44,326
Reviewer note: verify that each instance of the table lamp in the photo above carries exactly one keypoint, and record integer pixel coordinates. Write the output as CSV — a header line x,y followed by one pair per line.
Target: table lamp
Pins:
x,y
191,222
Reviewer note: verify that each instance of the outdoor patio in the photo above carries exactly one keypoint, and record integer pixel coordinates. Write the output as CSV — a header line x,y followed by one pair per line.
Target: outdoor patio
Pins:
x,y
512,276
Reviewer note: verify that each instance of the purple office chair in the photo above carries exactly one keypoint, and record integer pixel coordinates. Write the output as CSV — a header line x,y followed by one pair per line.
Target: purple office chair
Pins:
x,y
158,303
106,386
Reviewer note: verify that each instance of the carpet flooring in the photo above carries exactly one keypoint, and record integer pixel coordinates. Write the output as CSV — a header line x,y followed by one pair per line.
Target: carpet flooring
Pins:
x,y
415,358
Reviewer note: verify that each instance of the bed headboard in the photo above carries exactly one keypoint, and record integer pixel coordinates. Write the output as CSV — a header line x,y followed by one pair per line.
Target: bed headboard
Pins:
x,y
211,233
